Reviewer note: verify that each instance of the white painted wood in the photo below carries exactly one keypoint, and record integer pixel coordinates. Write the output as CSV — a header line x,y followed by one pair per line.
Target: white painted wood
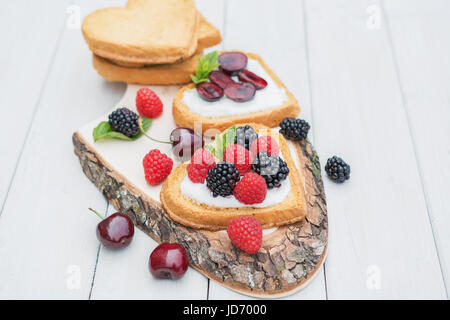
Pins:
x,y
275,30
25,60
47,236
378,219
381,242
421,43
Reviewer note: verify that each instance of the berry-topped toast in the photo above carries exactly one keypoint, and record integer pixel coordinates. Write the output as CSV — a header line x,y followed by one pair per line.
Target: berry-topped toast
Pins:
x,y
247,171
235,87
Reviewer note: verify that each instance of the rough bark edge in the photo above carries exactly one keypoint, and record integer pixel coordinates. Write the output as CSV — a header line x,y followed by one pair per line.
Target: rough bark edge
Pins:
x,y
288,259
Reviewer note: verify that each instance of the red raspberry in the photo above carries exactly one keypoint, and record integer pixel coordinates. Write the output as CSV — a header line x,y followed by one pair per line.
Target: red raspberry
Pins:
x,y
239,156
148,103
157,166
265,144
245,233
201,162
251,189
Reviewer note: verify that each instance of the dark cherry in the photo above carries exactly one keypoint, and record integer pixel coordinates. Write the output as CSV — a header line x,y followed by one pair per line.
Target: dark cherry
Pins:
x,y
240,92
116,231
185,142
232,62
250,77
220,78
168,261
209,91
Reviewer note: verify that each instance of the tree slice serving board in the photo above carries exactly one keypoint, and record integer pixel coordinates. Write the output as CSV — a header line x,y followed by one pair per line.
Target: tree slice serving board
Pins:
x,y
290,255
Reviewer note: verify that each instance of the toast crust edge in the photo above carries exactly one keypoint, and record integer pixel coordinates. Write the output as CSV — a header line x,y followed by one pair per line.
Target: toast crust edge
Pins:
x,y
164,74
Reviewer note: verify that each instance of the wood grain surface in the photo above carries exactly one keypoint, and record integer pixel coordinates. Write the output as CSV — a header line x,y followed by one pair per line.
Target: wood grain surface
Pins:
x,y
372,79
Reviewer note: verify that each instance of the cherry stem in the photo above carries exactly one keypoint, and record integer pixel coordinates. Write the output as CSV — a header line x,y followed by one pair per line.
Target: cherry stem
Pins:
x,y
145,134
98,214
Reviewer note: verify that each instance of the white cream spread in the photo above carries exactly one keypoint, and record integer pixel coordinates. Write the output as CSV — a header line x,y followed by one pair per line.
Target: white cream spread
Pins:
x,y
199,193
270,97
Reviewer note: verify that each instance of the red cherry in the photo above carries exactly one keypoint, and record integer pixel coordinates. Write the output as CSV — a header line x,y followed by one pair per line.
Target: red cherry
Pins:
x,y
250,77
168,261
220,78
116,231
209,91
240,92
232,62
185,142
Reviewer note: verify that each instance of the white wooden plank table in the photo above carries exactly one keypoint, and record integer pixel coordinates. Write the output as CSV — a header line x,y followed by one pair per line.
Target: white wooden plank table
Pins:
x,y
372,78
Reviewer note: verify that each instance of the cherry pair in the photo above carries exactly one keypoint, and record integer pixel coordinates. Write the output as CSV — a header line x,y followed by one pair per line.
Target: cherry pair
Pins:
x,y
167,261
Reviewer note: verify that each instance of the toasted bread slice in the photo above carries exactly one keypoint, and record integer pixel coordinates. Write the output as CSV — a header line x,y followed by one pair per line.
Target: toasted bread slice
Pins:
x,y
208,36
184,117
162,74
200,216
148,32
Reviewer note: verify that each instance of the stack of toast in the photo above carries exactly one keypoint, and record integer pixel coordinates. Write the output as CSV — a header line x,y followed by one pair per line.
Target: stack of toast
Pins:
x,y
148,42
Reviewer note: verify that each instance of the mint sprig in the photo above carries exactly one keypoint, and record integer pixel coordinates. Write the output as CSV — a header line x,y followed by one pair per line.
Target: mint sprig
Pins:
x,y
211,148
221,142
206,64
104,131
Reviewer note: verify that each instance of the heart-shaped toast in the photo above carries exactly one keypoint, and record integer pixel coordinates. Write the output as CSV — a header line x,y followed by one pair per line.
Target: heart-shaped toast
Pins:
x,y
148,32
208,36
285,205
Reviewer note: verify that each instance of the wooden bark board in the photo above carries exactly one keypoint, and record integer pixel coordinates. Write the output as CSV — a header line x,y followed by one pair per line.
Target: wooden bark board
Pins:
x,y
289,258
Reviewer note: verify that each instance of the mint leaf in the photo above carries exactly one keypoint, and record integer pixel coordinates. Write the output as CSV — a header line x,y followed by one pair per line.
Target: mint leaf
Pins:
x,y
211,149
221,142
219,146
197,80
146,123
114,135
230,135
206,64
104,131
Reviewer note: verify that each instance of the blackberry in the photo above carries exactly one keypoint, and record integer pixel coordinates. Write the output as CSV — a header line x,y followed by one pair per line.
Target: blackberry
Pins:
x,y
337,170
222,179
125,121
294,129
245,136
273,169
